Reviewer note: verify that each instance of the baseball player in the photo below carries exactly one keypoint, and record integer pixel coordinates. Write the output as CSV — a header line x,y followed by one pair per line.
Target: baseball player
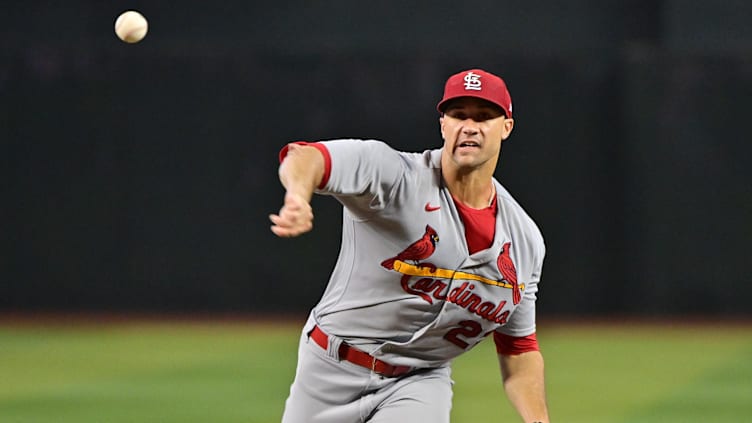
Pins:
x,y
436,255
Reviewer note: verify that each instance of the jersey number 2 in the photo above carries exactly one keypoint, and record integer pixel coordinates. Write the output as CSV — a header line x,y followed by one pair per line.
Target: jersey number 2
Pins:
x,y
467,329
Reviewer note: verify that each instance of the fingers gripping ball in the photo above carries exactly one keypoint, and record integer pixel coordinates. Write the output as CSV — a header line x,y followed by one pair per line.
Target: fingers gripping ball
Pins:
x,y
131,26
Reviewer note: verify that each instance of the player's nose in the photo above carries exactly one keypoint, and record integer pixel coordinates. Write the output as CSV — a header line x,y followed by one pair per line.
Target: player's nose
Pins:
x,y
469,127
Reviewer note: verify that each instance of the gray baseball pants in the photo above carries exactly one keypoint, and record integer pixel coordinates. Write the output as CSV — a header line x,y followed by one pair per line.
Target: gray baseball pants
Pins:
x,y
329,390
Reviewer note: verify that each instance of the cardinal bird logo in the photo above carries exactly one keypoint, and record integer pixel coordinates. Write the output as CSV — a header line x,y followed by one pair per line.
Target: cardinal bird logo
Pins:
x,y
418,250
509,272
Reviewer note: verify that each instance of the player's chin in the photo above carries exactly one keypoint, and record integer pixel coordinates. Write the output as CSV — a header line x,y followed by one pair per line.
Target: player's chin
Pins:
x,y
464,152
467,158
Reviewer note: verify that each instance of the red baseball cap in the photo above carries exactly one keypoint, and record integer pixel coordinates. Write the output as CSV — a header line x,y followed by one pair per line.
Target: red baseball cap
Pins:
x,y
480,84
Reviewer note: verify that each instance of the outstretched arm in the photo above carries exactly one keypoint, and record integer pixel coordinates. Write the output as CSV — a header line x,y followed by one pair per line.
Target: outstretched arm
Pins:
x,y
524,385
300,173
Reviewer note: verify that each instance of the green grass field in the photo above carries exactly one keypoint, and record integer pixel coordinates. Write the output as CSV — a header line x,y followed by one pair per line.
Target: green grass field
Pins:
x,y
215,371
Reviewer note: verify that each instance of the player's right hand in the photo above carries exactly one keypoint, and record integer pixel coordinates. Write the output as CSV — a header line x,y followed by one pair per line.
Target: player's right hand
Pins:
x,y
294,218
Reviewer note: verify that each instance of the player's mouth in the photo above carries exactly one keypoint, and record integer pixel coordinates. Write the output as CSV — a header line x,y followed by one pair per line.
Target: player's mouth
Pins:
x,y
468,145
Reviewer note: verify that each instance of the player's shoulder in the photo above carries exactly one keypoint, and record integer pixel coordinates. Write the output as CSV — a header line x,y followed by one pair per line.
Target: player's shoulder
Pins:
x,y
514,212
376,149
355,144
427,159
509,201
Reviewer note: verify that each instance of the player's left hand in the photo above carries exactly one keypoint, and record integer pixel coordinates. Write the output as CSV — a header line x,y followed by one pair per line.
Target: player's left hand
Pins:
x,y
295,217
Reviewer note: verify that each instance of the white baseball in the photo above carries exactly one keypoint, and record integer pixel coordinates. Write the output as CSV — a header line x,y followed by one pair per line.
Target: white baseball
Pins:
x,y
131,26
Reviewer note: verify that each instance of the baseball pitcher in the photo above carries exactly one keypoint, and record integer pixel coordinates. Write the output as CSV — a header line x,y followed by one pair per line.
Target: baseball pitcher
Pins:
x,y
436,255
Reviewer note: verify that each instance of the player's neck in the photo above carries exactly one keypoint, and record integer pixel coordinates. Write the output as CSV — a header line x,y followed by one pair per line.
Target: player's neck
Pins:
x,y
472,186
474,192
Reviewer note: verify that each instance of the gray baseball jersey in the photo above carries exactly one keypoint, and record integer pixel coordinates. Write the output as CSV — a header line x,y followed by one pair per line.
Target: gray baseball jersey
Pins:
x,y
405,288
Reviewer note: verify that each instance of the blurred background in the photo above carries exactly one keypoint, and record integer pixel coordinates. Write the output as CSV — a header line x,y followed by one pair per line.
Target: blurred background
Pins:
x,y
140,177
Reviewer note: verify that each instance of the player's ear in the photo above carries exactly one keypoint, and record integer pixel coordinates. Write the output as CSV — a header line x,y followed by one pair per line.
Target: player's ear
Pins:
x,y
441,125
507,128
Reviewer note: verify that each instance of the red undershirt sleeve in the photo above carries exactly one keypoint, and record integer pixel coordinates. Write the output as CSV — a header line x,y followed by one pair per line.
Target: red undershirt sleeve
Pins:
x,y
324,152
514,345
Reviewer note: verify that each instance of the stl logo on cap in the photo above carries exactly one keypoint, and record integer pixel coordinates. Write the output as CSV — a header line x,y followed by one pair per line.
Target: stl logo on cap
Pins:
x,y
472,81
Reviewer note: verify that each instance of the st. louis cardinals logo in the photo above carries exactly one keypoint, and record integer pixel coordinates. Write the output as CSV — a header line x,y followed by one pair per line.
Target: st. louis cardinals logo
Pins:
x,y
509,272
418,250
431,285
472,81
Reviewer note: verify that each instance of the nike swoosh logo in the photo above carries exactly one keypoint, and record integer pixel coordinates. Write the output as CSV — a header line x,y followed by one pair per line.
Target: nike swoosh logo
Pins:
x,y
430,208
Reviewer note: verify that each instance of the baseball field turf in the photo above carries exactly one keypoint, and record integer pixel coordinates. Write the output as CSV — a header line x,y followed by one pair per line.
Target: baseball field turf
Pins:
x,y
239,371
